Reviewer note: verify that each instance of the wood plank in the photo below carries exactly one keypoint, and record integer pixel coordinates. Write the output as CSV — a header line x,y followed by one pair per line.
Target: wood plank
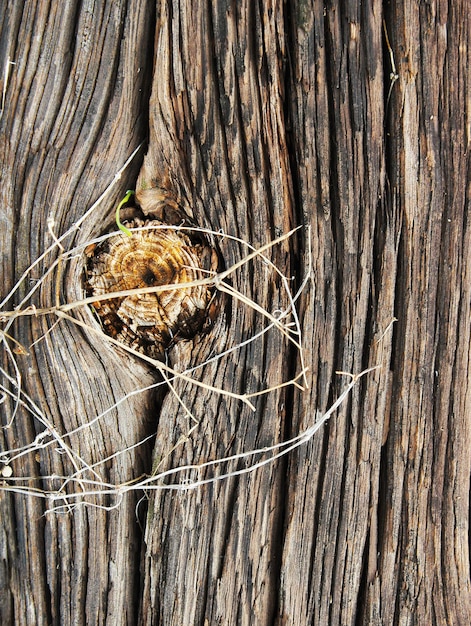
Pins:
x,y
261,117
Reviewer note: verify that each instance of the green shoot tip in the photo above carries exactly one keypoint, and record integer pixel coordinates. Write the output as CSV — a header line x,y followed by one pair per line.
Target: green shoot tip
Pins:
x,y
125,230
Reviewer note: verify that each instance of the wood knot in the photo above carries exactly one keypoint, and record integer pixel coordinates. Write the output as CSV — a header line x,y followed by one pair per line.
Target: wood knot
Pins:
x,y
158,259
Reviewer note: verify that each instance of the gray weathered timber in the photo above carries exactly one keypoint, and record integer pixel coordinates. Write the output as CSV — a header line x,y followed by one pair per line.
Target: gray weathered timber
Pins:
x,y
260,117
74,110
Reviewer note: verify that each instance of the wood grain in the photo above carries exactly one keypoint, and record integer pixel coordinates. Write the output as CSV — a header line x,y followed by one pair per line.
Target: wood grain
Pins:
x,y
261,117
74,110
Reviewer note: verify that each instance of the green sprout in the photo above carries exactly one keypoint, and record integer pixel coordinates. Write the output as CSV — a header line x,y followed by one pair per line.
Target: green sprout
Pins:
x,y
125,230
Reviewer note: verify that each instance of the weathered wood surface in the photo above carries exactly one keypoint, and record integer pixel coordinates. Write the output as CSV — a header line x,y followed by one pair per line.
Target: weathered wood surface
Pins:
x,y
262,116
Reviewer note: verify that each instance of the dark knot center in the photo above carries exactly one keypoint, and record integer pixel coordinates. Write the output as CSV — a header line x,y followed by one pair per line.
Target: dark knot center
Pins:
x,y
149,277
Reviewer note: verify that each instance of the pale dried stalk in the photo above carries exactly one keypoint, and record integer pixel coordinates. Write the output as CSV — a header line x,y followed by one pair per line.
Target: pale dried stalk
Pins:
x,y
84,483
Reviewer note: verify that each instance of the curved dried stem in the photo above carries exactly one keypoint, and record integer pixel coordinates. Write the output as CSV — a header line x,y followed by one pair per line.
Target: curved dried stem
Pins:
x,y
85,482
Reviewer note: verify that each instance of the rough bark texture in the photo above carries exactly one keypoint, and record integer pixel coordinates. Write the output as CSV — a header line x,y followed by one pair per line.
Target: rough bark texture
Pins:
x,y
261,117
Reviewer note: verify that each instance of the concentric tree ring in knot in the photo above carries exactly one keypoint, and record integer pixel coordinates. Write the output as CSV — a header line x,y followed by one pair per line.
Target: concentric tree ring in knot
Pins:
x,y
157,256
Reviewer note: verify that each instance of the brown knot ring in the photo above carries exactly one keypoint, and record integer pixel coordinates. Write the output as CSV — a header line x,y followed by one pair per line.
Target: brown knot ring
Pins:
x,y
153,256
